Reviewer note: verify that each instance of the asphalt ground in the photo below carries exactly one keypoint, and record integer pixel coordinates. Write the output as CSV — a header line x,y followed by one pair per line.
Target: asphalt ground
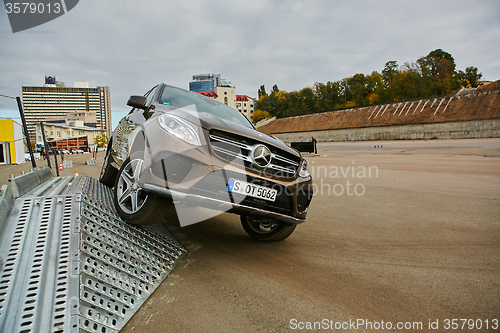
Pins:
x,y
410,239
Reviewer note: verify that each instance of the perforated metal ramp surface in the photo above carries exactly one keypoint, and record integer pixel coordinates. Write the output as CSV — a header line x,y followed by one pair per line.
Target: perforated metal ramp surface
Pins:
x,y
68,263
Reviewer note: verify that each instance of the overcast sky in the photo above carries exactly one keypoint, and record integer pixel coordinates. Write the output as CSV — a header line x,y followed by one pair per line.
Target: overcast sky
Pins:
x,y
131,45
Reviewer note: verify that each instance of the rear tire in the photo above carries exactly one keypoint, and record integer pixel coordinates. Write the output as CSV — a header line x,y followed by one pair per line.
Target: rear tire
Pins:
x,y
132,203
266,230
108,173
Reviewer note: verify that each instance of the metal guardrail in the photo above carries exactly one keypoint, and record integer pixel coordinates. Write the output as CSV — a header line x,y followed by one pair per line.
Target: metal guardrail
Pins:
x,y
68,263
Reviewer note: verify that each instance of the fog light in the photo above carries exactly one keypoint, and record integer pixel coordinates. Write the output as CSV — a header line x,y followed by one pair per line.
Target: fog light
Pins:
x,y
303,172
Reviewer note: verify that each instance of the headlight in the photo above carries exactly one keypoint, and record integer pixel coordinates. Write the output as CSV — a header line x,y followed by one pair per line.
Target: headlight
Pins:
x,y
303,172
180,128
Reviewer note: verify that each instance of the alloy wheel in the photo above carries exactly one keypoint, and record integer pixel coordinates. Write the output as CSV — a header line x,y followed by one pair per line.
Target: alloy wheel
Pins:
x,y
130,195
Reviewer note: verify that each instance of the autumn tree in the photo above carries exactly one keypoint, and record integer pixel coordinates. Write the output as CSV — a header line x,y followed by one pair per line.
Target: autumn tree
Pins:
x,y
376,89
259,115
438,72
101,140
431,75
269,102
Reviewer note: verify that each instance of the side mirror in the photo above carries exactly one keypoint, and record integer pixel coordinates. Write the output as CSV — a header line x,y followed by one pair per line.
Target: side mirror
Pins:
x,y
137,102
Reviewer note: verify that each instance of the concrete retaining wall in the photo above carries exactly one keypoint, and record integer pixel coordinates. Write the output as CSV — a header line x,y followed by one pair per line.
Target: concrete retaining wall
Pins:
x,y
453,130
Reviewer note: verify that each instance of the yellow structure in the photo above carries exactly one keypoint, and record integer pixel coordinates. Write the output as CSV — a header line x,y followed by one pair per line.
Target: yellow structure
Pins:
x,y
11,142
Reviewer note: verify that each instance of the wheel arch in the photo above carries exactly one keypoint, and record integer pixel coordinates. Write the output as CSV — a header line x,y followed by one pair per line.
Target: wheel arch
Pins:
x,y
138,145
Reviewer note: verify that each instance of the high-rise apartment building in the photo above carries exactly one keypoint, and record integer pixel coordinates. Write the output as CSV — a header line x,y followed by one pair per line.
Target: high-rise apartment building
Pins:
x,y
54,100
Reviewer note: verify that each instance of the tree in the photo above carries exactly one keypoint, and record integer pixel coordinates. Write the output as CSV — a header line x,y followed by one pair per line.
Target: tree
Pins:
x,y
428,76
258,115
262,91
375,85
308,100
344,89
388,73
359,90
328,96
101,140
408,82
471,75
293,104
438,71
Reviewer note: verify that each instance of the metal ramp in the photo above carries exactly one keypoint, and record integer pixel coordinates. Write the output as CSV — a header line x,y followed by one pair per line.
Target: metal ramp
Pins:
x,y
68,263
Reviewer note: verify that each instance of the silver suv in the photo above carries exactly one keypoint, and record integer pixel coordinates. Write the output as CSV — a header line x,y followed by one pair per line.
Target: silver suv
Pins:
x,y
180,149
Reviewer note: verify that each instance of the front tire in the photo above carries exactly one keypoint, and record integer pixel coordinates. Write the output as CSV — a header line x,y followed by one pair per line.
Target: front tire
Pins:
x,y
132,203
266,230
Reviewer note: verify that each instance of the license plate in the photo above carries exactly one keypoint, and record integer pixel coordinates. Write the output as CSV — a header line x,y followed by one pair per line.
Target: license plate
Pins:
x,y
256,191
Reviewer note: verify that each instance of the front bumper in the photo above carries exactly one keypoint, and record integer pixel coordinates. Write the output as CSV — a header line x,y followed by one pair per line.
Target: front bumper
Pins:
x,y
194,200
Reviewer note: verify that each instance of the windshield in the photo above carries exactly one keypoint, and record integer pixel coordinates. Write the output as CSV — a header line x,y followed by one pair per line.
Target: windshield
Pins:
x,y
181,98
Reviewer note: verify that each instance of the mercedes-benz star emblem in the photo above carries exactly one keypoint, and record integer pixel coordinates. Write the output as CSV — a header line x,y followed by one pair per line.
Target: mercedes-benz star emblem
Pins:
x,y
262,156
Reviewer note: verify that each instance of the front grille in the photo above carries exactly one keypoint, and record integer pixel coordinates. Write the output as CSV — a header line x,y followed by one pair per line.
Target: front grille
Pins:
x,y
239,149
214,185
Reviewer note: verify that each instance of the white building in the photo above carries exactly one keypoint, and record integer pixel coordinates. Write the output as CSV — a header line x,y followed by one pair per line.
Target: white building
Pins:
x,y
226,93
67,130
245,105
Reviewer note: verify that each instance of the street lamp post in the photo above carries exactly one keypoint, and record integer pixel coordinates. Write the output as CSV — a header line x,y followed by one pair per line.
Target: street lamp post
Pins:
x,y
28,141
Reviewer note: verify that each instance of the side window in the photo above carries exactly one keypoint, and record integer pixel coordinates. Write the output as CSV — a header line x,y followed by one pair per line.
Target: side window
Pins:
x,y
150,94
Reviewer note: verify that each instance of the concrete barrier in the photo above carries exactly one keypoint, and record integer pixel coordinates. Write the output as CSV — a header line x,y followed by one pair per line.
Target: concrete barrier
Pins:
x,y
44,174
6,204
25,183
452,130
